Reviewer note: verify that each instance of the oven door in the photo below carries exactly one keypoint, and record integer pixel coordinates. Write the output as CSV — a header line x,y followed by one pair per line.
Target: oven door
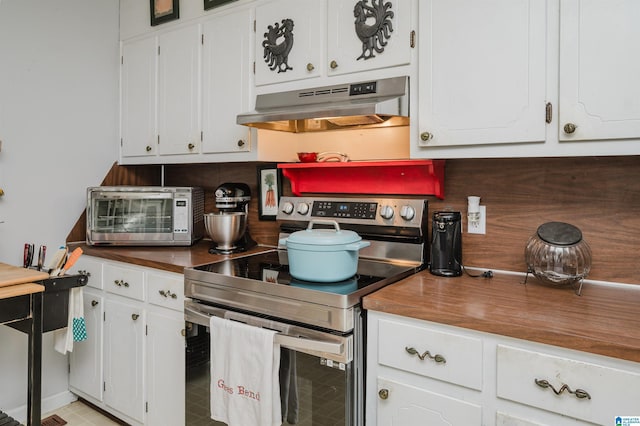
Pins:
x,y
319,381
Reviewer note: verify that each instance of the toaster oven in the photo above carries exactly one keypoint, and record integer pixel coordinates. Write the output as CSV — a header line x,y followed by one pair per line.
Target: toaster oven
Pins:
x,y
144,215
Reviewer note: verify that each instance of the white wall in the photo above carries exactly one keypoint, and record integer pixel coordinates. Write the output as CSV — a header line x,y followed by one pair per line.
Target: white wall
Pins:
x,y
59,64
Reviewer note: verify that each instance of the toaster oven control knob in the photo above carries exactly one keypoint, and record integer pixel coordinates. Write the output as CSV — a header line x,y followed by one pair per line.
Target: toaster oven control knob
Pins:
x,y
303,208
287,208
386,212
407,212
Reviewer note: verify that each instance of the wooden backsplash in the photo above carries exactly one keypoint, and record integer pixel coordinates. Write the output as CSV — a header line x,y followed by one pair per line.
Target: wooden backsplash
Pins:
x,y
599,195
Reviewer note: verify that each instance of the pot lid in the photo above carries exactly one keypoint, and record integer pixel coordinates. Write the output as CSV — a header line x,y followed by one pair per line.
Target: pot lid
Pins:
x,y
559,233
324,237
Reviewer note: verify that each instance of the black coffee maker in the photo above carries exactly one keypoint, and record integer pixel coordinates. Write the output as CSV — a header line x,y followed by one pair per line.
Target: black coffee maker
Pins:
x,y
446,244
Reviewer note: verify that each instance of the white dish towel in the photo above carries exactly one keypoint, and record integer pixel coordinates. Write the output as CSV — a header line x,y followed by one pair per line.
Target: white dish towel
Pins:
x,y
76,329
245,364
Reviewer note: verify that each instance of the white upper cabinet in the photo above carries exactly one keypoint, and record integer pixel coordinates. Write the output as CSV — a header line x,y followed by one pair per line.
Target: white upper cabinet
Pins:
x,y
289,42
179,91
599,69
138,107
481,72
304,39
226,81
367,35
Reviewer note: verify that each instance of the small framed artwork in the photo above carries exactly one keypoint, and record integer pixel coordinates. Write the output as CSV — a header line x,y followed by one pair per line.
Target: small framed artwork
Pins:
x,y
164,11
269,191
210,4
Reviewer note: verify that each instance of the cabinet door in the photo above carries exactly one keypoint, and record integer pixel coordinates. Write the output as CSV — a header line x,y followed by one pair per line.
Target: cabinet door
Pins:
x,y
297,49
165,368
226,72
382,39
482,72
138,98
179,91
403,405
85,373
123,358
599,69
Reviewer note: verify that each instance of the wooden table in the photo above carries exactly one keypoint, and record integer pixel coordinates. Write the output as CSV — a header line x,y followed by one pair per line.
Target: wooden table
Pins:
x,y
21,300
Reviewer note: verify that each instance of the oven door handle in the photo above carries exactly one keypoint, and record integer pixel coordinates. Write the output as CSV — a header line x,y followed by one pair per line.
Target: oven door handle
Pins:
x,y
338,348
303,344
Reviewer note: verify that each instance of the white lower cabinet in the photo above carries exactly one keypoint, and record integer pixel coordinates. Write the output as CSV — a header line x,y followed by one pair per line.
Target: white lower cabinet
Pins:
x,y
425,373
132,364
86,357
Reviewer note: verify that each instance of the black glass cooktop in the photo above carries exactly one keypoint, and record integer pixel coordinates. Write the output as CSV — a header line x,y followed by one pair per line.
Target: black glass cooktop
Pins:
x,y
272,269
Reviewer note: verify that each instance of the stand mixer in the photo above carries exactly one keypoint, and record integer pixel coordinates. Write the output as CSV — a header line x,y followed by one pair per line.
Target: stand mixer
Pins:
x,y
228,227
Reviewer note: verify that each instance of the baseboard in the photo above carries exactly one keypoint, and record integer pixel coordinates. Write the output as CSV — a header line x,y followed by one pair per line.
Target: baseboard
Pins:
x,y
50,403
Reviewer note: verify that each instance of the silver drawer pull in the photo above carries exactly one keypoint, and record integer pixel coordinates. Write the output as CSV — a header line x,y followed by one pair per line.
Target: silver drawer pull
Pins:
x,y
168,294
426,354
579,393
121,283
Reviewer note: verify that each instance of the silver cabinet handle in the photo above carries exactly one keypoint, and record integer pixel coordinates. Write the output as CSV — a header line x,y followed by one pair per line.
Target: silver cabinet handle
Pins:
x,y
579,393
168,294
94,303
135,316
241,143
383,393
333,65
426,136
310,67
190,146
121,283
426,354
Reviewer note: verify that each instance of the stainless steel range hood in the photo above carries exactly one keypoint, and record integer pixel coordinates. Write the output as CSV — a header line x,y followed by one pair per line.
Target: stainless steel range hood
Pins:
x,y
367,104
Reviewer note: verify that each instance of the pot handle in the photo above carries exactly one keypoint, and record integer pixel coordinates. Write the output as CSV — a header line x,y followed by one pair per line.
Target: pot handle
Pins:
x,y
357,245
325,222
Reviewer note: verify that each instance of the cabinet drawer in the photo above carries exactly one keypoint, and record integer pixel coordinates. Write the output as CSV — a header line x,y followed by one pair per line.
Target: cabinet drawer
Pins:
x,y
166,290
92,268
124,281
611,392
445,356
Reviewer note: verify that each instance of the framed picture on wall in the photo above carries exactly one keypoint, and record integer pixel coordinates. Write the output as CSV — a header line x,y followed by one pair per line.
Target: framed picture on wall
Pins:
x,y
210,4
269,191
164,11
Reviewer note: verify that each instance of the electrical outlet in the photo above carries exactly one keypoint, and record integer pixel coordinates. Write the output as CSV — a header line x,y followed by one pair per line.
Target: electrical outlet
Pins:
x,y
481,226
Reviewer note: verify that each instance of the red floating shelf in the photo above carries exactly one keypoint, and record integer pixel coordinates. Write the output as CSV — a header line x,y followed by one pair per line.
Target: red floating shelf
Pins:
x,y
396,177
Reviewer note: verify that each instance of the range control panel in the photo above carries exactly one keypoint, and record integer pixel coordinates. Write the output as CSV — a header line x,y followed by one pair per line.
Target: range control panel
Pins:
x,y
368,211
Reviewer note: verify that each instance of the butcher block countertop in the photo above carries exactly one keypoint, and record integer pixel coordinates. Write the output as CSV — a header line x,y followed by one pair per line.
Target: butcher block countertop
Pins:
x,y
16,281
604,320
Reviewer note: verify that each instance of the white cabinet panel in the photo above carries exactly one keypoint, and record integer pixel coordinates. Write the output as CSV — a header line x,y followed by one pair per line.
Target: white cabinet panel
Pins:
x,y
388,25
166,290
403,405
482,72
458,359
611,392
165,368
179,91
90,267
123,359
304,58
138,98
124,281
599,69
86,358
226,84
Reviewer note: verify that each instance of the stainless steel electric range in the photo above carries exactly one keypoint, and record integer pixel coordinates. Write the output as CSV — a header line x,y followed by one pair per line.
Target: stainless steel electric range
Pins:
x,y
321,325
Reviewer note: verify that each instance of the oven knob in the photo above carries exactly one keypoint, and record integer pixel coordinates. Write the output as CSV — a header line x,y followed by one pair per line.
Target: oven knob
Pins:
x,y
407,212
303,208
287,208
386,212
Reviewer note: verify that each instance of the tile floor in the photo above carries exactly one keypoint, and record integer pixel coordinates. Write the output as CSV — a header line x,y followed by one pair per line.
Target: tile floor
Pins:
x,y
80,414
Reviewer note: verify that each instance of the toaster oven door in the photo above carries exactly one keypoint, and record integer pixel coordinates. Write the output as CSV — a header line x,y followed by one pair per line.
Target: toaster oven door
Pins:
x,y
127,218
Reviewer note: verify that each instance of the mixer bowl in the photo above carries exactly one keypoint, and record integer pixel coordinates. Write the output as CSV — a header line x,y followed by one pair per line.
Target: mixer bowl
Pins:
x,y
225,228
